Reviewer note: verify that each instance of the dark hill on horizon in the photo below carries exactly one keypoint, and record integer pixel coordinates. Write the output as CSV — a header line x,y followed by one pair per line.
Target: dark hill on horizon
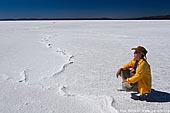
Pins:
x,y
161,17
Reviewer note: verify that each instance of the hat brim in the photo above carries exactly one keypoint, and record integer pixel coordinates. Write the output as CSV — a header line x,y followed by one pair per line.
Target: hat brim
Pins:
x,y
136,49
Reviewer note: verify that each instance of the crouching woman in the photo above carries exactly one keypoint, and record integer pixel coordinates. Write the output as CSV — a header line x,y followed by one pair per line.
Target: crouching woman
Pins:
x,y
136,74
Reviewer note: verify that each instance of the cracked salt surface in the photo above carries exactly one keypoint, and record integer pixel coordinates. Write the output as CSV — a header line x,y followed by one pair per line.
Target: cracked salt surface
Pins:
x,y
58,67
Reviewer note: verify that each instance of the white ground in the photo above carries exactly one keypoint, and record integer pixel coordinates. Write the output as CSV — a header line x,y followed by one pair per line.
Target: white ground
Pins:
x,y
70,66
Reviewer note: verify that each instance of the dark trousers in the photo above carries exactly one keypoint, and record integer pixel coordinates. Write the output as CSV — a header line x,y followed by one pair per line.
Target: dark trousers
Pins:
x,y
128,87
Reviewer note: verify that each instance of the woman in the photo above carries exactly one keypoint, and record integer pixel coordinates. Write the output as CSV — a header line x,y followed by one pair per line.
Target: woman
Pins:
x,y
136,74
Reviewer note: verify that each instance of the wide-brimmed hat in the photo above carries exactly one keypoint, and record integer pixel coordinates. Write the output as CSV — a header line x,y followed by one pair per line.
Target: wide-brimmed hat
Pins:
x,y
141,49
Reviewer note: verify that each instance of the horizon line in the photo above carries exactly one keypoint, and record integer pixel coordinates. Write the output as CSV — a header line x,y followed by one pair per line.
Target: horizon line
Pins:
x,y
158,17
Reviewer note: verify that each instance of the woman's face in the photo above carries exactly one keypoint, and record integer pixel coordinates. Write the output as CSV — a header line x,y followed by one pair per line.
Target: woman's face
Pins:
x,y
137,55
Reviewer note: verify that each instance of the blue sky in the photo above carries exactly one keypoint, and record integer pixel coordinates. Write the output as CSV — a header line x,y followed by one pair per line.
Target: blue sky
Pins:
x,y
82,8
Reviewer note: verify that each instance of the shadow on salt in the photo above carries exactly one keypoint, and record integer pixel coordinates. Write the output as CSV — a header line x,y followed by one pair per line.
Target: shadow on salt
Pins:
x,y
158,96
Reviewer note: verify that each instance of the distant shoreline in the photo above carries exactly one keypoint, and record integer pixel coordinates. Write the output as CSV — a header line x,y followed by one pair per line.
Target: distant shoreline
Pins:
x,y
162,17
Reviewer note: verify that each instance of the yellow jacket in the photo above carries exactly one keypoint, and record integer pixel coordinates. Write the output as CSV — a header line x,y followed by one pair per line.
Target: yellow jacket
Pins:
x,y
142,76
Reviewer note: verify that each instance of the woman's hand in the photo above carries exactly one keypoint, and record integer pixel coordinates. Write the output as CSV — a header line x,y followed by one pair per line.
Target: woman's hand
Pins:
x,y
118,72
124,81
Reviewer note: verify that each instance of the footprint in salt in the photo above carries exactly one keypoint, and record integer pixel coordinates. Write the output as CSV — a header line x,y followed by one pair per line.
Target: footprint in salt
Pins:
x,y
24,76
103,103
